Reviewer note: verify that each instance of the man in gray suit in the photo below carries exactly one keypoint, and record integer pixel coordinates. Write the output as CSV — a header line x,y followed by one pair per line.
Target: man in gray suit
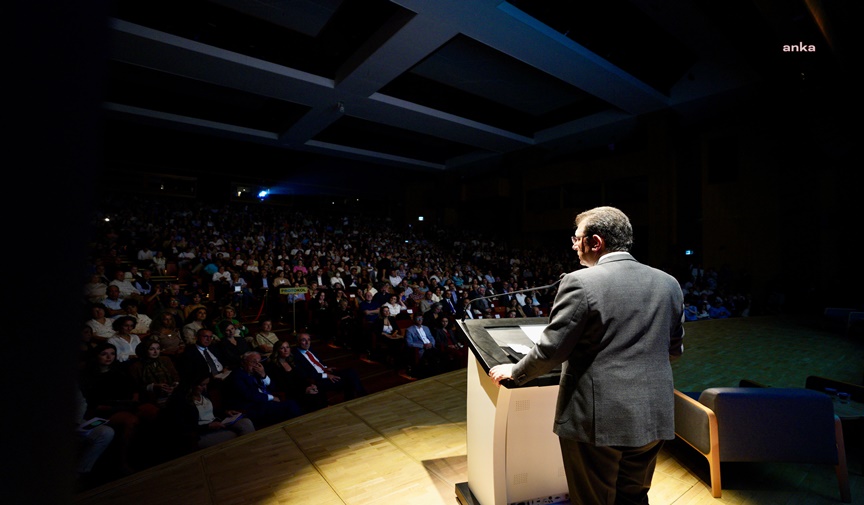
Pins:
x,y
614,326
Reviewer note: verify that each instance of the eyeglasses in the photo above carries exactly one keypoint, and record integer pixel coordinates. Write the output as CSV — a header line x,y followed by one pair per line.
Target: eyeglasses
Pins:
x,y
576,238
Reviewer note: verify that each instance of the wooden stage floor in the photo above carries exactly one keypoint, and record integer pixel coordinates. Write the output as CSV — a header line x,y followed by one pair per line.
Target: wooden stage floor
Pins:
x,y
406,445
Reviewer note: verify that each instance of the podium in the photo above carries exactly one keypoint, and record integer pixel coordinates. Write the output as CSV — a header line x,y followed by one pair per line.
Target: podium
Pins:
x,y
513,455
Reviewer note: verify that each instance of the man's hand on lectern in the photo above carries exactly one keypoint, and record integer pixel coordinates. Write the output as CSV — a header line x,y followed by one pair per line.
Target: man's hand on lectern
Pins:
x,y
499,373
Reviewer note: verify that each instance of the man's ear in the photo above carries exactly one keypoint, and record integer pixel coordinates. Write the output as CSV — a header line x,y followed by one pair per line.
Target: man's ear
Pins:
x,y
597,243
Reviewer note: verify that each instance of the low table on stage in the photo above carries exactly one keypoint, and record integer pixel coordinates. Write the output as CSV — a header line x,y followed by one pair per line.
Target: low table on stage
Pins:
x,y
513,455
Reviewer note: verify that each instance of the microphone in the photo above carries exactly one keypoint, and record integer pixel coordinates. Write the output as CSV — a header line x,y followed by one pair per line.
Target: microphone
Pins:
x,y
512,293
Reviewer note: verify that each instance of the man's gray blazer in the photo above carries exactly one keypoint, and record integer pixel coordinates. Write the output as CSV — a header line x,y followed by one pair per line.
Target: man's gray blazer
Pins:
x,y
613,326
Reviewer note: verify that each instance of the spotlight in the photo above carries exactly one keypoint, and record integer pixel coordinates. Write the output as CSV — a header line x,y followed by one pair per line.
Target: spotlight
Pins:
x,y
263,194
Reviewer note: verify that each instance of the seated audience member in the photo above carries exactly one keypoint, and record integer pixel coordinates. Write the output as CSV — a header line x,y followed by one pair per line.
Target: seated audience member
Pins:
x,y
159,263
196,302
265,339
202,357
172,306
92,443
449,302
86,343
246,390
321,319
691,312
242,294
346,324
454,349
194,422
513,305
144,283
124,340
111,394
228,313
464,310
95,290
102,326
424,358
387,340
535,311
112,302
155,376
397,307
232,345
194,323
426,302
432,317
166,332
142,321
124,285
326,378
369,307
288,380
718,311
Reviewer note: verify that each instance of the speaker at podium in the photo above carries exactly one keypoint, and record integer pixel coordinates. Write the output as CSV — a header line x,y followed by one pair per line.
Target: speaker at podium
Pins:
x,y
513,455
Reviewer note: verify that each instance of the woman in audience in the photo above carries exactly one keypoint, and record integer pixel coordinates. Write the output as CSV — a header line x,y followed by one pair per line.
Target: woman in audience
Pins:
x,y
265,339
450,344
86,344
230,314
196,321
288,380
160,264
100,324
142,321
194,304
124,340
387,338
232,345
165,331
154,375
319,310
172,306
194,422
346,324
398,310
95,290
111,394
514,306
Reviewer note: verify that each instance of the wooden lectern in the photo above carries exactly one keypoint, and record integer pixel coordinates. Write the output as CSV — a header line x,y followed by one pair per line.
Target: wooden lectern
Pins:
x,y
513,455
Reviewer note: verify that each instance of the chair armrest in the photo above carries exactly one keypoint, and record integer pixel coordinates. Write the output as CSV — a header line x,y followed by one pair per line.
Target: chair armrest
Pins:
x,y
695,423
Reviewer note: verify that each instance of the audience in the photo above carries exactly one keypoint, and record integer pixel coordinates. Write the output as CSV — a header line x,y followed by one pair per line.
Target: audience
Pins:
x,y
145,276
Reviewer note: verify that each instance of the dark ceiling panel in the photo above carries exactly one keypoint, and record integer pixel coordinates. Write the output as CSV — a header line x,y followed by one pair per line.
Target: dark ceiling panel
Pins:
x,y
362,134
350,25
471,80
619,32
159,91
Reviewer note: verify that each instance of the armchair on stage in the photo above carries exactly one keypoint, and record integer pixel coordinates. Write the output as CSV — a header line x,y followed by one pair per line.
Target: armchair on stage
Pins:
x,y
762,424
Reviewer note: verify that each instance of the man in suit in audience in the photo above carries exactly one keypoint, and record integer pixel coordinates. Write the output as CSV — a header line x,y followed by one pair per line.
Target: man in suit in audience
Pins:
x,y
246,390
326,378
418,336
614,326
201,358
449,302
